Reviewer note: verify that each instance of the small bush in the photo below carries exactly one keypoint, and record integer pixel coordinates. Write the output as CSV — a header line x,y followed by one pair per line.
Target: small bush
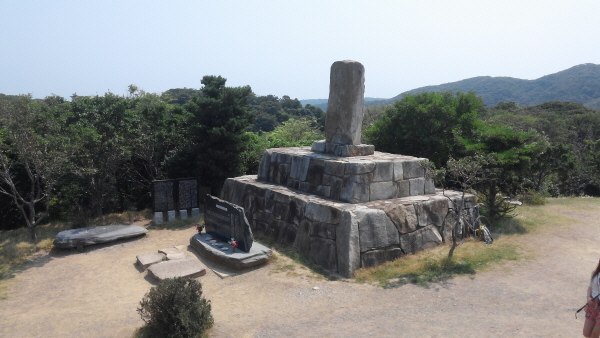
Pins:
x,y
175,308
532,197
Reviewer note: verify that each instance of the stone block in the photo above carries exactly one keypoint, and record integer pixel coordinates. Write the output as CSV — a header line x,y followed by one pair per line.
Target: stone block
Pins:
x,y
377,257
183,214
336,188
265,165
384,171
172,253
417,186
318,146
318,212
296,211
78,238
375,229
359,167
158,217
398,170
425,238
302,242
324,190
324,230
334,168
402,188
429,186
353,192
171,215
382,191
413,168
299,167
431,212
283,232
323,252
186,268
403,216
144,261
347,244
195,212
314,174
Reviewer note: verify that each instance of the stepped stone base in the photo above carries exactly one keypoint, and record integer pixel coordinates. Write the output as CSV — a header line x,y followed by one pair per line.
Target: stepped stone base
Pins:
x,y
356,179
343,150
342,237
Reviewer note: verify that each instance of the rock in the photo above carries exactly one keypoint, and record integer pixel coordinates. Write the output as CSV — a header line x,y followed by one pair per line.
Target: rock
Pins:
x,y
259,254
404,217
413,168
323,252
432,212
417,186
398,171
94,235
384,171
144,261
187,268
382,190
347,244
375,229
377,257
226,221
346,103
427,237
318,212
172,253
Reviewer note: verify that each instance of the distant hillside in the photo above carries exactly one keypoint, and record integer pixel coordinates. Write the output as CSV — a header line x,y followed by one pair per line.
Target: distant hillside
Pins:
x,y
579,84
322,103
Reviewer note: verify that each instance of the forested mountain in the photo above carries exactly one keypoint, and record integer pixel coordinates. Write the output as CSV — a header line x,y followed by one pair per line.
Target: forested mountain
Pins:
x,y
322,103
580,84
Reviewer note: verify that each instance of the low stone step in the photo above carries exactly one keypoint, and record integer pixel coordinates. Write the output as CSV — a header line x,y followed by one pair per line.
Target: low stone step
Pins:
x,y
172,253
144,261
186,267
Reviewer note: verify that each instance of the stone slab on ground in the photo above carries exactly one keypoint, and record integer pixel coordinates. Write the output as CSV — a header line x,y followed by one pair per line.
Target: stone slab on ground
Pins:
x,y
172,253
221,252
144,261
77,238
186,267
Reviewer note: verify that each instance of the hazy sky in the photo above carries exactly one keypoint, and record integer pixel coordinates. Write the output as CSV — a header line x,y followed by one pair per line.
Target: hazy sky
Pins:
x,y
285,47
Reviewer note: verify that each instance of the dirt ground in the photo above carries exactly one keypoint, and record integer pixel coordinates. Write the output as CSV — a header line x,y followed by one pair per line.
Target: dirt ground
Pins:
x,y
95,294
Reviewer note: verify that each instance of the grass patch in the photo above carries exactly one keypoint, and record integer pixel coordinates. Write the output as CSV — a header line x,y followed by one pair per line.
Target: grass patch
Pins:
x,y
432,265
510,243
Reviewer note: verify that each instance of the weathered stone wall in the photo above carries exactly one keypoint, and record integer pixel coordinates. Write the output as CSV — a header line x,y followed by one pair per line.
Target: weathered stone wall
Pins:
x,y
349,179
342,237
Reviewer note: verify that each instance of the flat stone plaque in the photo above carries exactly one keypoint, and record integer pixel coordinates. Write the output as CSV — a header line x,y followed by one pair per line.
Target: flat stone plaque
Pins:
x,y
95,235
186,268
144,261
224,221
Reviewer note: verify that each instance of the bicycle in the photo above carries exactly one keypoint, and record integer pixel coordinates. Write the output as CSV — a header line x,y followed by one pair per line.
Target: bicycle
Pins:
x,y
473,224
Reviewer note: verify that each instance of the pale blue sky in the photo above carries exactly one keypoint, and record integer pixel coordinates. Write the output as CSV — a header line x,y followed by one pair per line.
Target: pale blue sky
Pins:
x,y
285,47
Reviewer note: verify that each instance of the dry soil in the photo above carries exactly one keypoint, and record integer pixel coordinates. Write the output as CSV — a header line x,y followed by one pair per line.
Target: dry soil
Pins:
x,y
64,293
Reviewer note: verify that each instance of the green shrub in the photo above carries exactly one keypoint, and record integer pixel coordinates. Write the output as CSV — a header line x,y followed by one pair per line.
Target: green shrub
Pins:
x,y
532,197
175,308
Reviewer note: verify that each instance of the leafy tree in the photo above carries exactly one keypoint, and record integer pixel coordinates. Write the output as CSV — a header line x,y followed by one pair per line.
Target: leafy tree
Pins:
x,y
216,134
34,154
295,131
511,155
426,125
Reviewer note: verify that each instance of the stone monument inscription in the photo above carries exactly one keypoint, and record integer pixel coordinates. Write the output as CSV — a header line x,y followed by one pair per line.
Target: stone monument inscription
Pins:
x,y
163,196
225,221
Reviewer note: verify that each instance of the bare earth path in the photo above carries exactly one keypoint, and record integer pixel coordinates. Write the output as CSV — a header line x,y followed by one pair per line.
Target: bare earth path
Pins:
x,y
95,294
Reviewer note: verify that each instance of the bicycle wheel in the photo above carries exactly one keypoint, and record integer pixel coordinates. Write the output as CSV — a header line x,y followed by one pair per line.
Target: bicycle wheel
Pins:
x,y
484,232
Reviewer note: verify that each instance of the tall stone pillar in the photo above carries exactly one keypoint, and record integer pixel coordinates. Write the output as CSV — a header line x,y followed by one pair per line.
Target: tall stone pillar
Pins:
x,y
345,109
346,103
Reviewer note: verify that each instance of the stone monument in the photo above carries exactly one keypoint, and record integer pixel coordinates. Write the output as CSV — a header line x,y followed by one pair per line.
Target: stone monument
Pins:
x,y
340,203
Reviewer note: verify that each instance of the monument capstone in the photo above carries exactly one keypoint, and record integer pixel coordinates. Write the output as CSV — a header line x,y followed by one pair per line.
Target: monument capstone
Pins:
x,y
342,204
